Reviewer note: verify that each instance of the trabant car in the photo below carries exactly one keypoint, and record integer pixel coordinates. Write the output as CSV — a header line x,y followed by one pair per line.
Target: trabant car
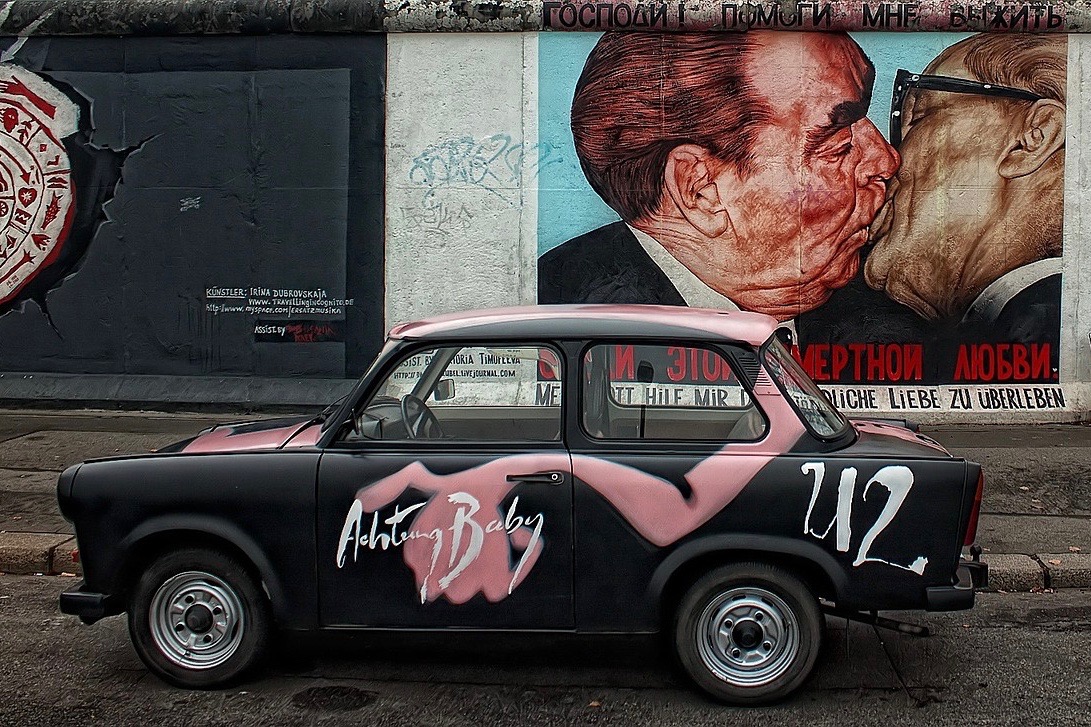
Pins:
x,y
586,469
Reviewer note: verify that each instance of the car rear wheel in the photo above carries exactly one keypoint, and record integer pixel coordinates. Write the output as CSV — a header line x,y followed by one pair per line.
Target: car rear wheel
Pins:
x,y
198,619
748,633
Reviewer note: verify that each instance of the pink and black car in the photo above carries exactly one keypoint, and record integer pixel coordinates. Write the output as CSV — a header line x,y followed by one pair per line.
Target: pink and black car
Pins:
x,y
589,469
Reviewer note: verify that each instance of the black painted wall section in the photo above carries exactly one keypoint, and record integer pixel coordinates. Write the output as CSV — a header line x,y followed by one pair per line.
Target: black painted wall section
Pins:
x,y
249,163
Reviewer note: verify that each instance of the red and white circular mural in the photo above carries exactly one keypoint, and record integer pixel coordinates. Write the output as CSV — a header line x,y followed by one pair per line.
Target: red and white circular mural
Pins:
x,y
36,190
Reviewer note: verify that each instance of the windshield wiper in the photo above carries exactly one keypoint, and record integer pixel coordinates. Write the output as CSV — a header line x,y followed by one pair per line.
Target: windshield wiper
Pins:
x,y
322,416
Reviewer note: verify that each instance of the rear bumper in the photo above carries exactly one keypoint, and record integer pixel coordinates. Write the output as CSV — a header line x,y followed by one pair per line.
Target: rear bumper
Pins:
x,y
88,605
971,575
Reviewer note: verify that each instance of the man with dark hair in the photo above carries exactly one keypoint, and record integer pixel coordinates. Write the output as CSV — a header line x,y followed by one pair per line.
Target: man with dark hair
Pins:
x,y
737,187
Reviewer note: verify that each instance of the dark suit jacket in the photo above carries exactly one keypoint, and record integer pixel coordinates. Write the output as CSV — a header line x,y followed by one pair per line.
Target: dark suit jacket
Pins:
x,y
606,265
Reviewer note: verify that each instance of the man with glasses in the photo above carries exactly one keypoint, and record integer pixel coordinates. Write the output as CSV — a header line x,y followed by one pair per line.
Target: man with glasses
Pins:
x,y
967,244
971,228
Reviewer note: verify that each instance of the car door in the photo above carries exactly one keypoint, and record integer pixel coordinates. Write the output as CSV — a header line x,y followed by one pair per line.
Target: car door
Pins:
x,y
451,503
663,438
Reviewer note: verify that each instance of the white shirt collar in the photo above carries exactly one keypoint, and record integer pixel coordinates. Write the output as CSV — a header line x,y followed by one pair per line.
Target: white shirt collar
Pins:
x,y
692,289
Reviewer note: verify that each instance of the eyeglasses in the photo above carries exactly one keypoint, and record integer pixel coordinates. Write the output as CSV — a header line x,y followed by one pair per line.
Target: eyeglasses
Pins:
x,y
905,81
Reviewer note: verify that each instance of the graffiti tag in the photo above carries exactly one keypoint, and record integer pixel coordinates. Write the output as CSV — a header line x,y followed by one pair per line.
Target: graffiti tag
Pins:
x,y
898,481
437,216
496,163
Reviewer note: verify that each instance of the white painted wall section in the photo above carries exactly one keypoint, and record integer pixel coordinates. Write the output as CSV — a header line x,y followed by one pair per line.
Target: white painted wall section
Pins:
x,y
1075,361
461,209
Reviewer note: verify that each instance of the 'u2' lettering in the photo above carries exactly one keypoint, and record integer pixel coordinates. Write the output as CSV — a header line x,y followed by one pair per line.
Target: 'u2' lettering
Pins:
x,y
896,479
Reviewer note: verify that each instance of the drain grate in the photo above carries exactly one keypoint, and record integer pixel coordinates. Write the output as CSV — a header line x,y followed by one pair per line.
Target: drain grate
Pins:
x,y
332,699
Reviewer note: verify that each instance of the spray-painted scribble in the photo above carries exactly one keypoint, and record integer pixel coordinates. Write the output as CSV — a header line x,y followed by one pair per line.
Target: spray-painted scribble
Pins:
x,y
435,215
496,163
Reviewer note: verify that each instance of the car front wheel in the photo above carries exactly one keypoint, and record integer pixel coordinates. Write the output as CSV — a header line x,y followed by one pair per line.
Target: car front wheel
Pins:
x,y
198,619
748,633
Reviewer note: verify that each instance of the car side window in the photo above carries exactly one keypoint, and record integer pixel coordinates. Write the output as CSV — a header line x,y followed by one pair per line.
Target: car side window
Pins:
x,y
468,393
661,392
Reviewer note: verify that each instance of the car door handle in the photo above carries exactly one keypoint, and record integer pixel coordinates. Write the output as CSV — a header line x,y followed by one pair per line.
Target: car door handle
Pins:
x,y
542,478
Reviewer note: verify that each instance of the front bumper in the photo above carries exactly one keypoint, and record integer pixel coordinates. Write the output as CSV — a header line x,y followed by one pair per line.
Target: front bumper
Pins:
x,y
971,575
88,605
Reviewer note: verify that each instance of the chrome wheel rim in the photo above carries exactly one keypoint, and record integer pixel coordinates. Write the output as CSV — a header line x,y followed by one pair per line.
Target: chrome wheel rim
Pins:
x,y
748,636
197,620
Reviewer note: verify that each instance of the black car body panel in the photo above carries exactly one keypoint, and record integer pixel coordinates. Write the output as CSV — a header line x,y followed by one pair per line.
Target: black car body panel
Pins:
x,y
261,504
573,527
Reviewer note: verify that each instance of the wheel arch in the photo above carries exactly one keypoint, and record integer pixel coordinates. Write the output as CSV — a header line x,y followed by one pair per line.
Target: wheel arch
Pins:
x,y
819,571
157,537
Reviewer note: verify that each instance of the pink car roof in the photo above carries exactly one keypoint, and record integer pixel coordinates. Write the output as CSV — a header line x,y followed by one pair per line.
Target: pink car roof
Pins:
x,y
593,320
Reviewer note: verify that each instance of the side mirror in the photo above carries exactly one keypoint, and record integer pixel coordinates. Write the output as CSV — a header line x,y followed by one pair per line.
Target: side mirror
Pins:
x,y
367,426
445,390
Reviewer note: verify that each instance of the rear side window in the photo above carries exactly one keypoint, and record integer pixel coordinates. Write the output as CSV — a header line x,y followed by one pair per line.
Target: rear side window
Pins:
x,y
662,392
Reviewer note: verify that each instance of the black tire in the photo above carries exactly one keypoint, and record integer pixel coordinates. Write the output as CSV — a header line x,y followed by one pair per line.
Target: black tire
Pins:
x,y
748,633
226,617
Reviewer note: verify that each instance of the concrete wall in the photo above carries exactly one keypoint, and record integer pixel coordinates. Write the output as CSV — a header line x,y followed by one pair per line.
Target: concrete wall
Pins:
x,y
216,233
461,206
248,214
450,176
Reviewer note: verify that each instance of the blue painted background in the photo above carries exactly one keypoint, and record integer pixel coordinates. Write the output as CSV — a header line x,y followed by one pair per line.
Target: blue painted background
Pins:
x,y
567,206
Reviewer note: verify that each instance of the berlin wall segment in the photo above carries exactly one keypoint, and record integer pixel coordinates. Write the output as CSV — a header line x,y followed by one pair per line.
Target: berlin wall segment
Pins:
x,y
176,17
195,240
179,229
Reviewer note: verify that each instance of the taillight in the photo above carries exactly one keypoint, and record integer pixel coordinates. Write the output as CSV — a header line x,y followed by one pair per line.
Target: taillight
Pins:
x,y
971,527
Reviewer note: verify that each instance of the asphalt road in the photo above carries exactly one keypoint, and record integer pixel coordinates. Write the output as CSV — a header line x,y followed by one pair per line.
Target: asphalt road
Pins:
x,y
1015,659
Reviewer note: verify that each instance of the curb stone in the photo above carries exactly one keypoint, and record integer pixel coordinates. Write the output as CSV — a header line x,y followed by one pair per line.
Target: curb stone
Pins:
x,y
51,554
1068,570
29,553
62,563
1011,572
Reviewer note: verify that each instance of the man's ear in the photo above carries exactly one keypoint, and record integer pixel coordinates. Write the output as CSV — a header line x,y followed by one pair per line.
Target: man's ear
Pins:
x,y
1036,140
690,179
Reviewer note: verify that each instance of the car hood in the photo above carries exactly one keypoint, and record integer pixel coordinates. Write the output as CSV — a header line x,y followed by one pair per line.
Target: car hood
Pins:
x,y
265,434
890,440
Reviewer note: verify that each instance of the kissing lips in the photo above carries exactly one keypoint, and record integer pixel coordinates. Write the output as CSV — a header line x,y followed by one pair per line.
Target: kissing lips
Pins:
x,y
884,220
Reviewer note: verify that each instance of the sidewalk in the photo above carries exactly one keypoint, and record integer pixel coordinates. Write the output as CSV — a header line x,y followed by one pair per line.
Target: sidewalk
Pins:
x,y
1035,524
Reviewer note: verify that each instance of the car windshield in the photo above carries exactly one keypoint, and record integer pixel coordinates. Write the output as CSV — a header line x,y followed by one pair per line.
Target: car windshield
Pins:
x,y
820,415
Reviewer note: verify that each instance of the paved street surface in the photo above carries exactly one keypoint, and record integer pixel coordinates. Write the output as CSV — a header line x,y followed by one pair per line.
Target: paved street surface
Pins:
x,y
1016,659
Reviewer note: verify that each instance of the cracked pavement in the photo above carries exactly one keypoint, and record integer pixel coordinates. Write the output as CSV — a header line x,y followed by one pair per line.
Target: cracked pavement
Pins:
x,y
1015,659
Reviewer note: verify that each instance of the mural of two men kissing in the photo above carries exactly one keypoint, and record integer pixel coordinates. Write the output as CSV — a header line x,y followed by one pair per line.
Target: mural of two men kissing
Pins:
x,y
751,171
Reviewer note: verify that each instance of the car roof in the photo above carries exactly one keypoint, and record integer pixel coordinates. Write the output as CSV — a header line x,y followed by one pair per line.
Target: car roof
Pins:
x,y
592,321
